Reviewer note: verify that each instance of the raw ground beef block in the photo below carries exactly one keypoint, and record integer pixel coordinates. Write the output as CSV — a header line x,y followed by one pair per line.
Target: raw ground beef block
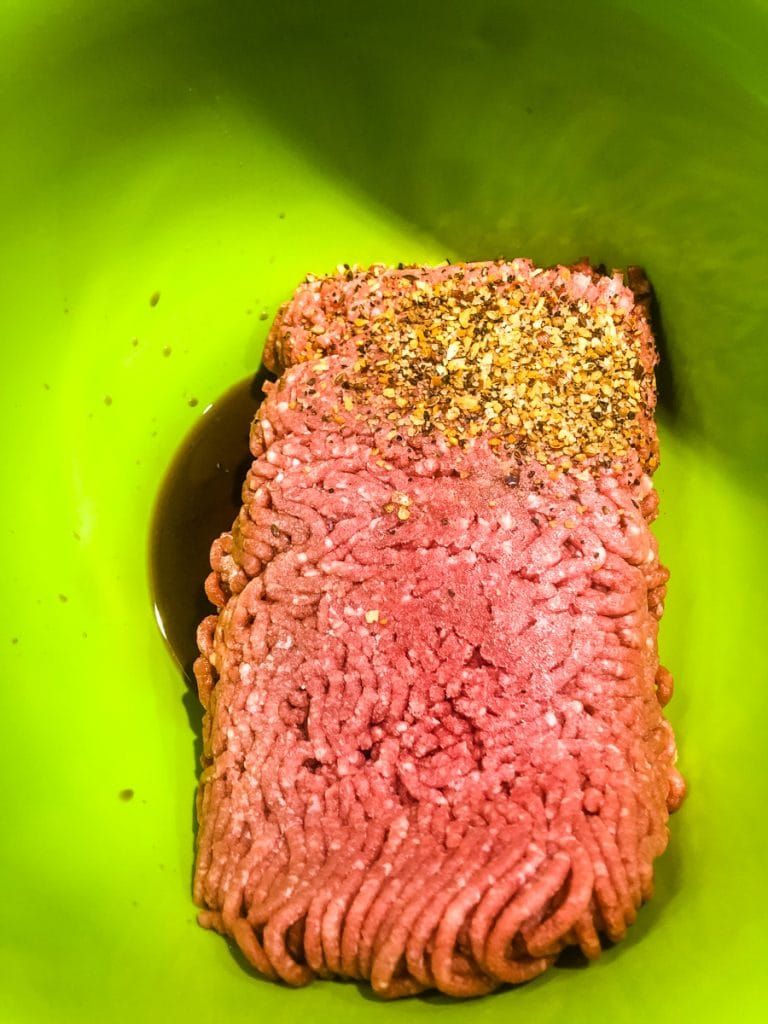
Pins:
x,y
434,750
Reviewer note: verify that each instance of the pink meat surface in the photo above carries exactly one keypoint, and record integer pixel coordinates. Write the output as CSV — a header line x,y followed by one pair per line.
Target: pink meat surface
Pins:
x,y
434,752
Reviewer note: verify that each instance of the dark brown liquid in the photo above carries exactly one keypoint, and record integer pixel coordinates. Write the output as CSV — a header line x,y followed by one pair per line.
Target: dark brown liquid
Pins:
x,y
198,500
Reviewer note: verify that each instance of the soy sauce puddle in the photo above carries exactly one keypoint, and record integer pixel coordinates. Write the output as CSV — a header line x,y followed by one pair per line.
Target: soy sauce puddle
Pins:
x,y
199,499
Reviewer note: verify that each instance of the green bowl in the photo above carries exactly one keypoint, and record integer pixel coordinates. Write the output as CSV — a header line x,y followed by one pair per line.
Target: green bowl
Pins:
x,y
215,153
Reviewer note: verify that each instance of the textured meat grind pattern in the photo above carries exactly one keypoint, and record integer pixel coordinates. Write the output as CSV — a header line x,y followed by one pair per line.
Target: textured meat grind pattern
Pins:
x,y
434,753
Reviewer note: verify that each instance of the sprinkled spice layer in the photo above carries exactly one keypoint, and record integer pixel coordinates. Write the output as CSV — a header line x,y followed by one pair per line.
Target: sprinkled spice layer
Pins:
x,y
557,364
524,367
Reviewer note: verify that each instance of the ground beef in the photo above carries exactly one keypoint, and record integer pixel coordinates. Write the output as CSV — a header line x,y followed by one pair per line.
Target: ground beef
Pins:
x,y
434,753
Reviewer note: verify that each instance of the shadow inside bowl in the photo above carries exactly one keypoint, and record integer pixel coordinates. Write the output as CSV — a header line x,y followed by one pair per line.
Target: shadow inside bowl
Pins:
x,y
473,139
468,135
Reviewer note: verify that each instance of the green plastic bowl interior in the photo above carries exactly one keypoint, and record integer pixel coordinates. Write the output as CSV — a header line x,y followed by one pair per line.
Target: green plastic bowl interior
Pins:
x,y
214,154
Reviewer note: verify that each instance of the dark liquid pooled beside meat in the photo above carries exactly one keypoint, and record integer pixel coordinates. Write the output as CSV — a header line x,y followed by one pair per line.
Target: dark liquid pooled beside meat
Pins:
x,y
198,500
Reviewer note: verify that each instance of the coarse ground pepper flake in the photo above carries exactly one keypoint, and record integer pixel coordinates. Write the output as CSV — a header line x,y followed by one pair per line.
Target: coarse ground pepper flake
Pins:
x,y
501,352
